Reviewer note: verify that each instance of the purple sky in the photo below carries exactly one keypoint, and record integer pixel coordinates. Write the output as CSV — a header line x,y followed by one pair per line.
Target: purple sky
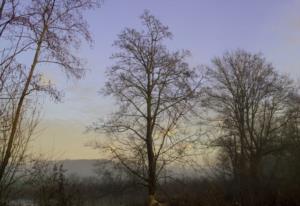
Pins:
x,y
207,28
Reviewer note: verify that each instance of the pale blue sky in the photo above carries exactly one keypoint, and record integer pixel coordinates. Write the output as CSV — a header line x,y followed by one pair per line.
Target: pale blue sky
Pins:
x,y
207,28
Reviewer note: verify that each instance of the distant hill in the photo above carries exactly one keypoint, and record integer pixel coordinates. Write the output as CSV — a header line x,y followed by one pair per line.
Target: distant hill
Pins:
x,y
82,168
87,167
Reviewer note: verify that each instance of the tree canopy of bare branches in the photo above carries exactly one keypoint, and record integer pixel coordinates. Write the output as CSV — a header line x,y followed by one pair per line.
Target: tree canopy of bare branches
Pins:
x,y
248,100
46,32
154,89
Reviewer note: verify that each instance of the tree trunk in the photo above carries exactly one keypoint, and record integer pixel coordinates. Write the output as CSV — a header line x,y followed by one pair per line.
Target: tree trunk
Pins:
x,y
16,118
149,142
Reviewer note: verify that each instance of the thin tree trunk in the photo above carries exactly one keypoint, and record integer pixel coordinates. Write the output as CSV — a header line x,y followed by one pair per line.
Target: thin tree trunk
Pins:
x,y
16,118
149,142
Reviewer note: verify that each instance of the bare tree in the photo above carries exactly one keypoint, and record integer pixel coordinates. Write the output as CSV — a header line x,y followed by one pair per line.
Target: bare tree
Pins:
x,y
247,99
154,89
12,77
49,31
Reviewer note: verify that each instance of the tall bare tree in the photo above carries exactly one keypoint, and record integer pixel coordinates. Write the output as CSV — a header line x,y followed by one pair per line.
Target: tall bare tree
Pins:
x,y
12,77
154,89
49,31
247,99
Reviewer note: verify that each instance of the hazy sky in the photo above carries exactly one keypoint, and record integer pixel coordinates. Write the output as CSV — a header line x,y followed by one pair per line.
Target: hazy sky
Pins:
x,y
207,28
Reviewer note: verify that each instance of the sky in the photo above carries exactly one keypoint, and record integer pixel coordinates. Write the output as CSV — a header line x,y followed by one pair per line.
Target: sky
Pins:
x,y
207,28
